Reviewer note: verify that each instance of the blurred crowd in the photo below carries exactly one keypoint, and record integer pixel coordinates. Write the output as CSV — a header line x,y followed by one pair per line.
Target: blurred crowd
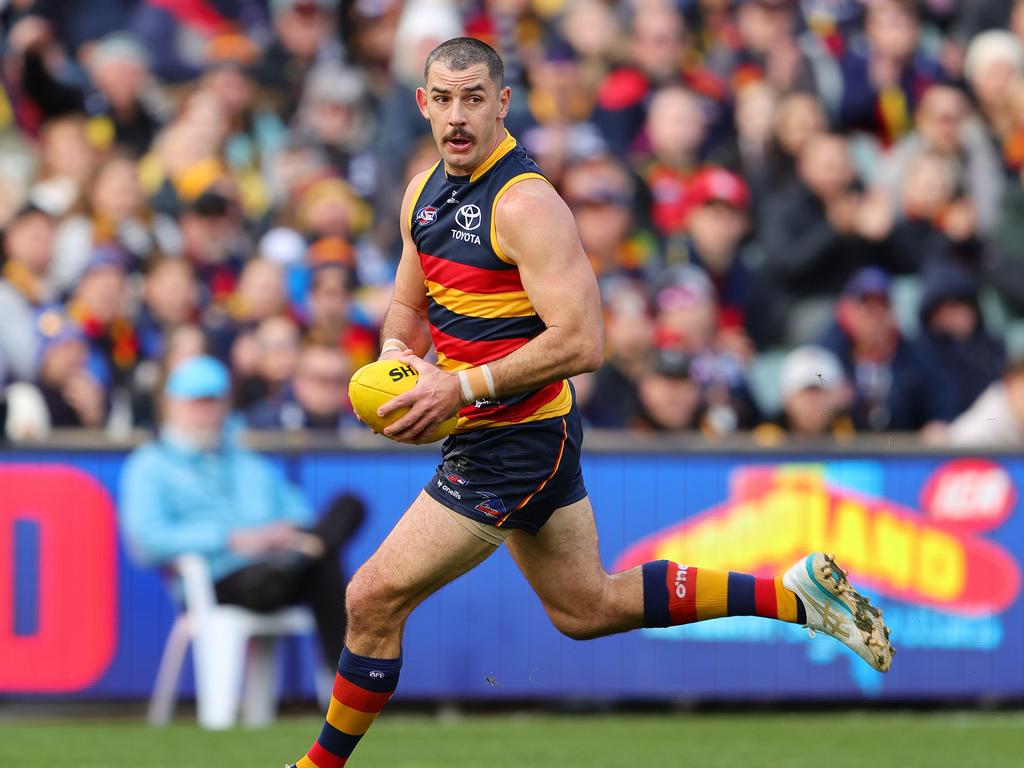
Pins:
x,y
806,216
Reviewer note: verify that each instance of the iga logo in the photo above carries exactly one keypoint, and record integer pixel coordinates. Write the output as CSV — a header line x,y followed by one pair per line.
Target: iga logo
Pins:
x,y
427,215
468,217
491,505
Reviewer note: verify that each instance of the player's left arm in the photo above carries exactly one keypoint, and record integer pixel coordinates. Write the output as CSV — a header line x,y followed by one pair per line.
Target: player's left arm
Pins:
x,y
537,232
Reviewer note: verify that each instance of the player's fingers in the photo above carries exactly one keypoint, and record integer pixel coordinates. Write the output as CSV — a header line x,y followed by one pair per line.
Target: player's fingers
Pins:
x,y
410,426
406,399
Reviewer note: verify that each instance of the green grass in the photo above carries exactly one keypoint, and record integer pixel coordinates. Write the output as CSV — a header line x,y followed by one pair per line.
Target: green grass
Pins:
x,y
872,740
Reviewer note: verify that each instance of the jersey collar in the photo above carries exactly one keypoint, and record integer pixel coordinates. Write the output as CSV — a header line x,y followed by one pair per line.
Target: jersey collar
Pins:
x,y
506,146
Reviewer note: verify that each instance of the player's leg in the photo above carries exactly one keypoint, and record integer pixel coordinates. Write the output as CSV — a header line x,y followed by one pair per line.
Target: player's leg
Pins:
x,y
563,566
425,550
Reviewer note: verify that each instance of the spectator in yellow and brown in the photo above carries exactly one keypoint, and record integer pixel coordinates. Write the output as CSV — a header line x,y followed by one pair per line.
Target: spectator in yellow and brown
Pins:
x,y
68,160
332,318
100,307
883,83
24,288
815,396
601,194
115,213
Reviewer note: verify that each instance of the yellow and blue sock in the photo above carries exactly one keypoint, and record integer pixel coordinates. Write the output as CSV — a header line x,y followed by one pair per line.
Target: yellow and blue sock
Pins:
x,y
362,687
678,594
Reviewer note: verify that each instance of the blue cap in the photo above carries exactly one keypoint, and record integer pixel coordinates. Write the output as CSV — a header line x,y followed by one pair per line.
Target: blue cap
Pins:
x,y
868,281
107,256
198,377
55,327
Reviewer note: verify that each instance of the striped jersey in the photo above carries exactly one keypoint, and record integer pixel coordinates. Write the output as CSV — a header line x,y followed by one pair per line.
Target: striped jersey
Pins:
x,y
478,310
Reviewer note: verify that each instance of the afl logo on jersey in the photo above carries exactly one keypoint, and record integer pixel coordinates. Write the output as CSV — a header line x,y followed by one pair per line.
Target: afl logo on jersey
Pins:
x,y
468,217
427,215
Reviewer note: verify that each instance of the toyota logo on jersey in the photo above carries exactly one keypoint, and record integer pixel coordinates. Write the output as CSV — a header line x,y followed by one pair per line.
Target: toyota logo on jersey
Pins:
x,y
468,217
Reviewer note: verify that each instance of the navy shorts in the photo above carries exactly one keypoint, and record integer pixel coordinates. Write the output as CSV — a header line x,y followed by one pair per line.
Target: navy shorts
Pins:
x,y
514,476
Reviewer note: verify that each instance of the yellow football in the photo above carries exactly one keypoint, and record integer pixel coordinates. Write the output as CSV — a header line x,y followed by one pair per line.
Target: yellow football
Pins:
x,y
378,382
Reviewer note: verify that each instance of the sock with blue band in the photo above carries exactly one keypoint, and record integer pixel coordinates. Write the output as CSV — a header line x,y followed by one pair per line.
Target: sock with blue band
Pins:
x,y
362,687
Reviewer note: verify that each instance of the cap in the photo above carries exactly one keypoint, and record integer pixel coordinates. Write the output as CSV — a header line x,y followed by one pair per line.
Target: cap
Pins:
x,y
282,245
330,252
119,46
231,49
55,327
303,6
683,285
718,185
810,366
868,281
106,256
333,83
198,377
671,363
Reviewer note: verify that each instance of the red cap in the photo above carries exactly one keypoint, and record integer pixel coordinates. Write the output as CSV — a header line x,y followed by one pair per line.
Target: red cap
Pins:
x,y
718,185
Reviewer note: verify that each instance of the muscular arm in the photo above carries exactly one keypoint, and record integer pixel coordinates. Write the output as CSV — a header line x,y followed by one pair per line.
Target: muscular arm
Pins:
x,y
406,317
537,232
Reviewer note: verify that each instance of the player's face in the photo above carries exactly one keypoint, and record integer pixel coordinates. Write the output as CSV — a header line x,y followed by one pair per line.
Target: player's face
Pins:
x,y
465,110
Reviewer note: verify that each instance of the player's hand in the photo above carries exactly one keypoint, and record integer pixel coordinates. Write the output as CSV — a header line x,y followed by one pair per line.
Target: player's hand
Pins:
x,y
435,397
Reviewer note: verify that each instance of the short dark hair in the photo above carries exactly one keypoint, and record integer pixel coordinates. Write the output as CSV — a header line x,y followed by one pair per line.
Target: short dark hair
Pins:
x,y
463,52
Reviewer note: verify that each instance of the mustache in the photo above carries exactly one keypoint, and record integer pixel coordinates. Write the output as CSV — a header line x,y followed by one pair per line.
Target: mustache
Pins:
x,y
458,133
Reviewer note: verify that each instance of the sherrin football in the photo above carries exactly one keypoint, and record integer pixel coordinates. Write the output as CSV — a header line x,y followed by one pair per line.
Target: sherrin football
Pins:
x,y
378,382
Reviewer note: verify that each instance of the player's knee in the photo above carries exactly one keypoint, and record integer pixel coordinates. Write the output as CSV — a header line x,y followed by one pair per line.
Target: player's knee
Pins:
x,y
575,626
371,607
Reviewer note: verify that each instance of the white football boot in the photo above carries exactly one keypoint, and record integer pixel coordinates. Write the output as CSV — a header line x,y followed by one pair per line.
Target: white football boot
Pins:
x,y
834,607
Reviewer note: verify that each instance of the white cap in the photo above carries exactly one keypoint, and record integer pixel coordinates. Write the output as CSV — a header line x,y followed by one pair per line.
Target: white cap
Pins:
x,y
988,47
283,246
810,366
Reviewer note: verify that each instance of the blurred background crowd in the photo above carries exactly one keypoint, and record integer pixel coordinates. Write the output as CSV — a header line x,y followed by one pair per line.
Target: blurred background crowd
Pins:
x,y
806,216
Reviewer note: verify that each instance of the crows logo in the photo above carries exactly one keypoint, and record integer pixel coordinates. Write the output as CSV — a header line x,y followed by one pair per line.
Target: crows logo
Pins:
x,y
491,505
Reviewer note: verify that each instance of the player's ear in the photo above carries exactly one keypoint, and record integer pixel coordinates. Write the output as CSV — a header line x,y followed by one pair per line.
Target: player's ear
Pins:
x,y
421,102
505,97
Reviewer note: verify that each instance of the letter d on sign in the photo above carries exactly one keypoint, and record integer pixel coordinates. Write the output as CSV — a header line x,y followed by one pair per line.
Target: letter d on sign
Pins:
x,y
58,579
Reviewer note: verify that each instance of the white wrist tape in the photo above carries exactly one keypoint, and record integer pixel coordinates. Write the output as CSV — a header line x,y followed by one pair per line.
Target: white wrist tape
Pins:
x,y
393,345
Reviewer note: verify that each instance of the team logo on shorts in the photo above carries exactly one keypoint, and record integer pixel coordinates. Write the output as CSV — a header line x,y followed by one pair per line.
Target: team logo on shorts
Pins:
x,y
427,215
491,505
454,477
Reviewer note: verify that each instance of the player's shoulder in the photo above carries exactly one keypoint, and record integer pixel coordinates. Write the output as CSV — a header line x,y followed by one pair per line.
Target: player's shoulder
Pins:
x,y
530,199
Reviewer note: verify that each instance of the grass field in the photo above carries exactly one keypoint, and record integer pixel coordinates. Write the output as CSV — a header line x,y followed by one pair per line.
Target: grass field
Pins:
x,y
856,740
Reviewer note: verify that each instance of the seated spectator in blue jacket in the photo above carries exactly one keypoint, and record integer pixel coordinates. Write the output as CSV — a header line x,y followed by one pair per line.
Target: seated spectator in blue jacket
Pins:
x,y
958,353
194,490
316,399
890,384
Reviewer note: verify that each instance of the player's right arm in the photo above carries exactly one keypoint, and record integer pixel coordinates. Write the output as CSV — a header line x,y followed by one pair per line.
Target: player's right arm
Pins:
x,y
406,316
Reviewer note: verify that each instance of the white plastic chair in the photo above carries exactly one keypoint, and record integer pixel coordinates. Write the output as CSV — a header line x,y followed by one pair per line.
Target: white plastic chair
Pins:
x,y
223,638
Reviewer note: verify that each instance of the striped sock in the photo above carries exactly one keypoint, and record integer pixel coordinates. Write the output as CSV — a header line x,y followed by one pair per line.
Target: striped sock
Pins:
x,y
361,689
678,594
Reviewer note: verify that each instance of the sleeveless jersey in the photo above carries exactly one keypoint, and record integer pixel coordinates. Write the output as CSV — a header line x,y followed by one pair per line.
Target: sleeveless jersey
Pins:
x,y
478,310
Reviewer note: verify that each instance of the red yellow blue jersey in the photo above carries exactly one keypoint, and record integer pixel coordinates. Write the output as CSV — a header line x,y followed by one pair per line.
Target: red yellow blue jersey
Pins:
x,y
478,309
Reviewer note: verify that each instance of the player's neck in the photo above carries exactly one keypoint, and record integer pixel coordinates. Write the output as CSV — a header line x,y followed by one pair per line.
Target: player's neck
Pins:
x,y
459,176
